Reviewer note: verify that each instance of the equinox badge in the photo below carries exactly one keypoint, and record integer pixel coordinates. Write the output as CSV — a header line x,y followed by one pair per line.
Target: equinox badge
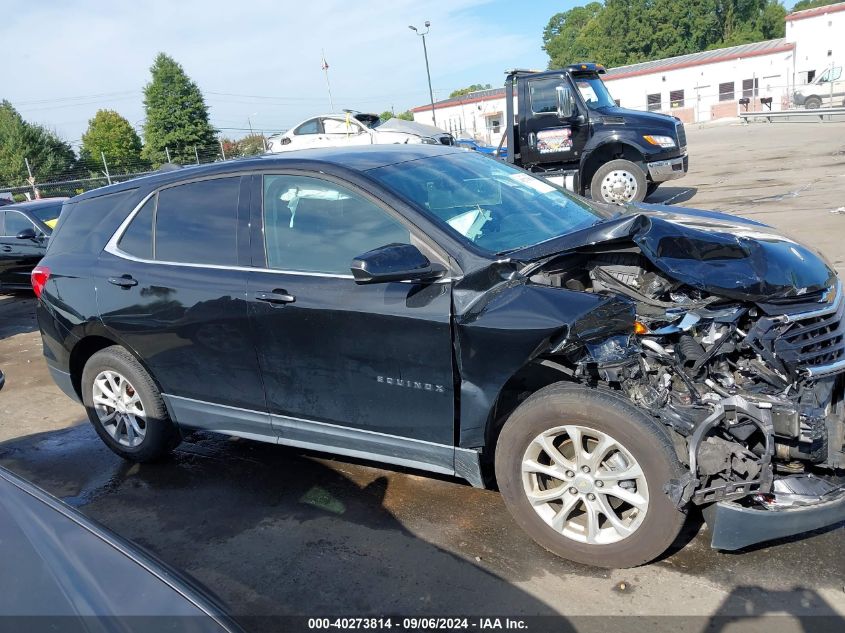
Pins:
x,y
411,384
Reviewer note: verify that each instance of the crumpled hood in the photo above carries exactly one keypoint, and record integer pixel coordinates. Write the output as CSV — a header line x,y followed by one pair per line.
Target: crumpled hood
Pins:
x,y
714,252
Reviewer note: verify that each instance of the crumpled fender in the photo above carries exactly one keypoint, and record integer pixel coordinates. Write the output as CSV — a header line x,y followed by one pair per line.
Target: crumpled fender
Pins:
x,y
513,323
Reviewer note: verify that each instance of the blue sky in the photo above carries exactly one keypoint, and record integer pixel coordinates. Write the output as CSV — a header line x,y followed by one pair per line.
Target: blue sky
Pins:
x,y
257,60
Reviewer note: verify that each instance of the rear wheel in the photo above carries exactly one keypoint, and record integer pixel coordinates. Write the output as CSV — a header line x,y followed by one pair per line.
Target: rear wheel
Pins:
x,y
125,406
618,182
582,471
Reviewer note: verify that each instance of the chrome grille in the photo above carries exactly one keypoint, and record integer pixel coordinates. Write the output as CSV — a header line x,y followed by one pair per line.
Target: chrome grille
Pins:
x,y
682,135
810,343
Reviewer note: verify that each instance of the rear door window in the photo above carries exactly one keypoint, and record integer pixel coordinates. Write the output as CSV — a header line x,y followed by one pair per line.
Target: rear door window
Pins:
x,y
196,223
309,127
138,238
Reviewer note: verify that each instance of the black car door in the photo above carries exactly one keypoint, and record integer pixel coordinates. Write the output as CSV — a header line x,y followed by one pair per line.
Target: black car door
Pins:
x,y
169,285
359,369
18,256
545,136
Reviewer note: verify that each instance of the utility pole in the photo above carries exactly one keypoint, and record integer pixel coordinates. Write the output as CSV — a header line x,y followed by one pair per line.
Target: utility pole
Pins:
x,y
325,66
167,151
222,151
427,71
196,155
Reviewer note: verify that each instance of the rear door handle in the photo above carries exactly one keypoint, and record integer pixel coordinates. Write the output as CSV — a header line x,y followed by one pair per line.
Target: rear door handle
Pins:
x,y
124,281
276,296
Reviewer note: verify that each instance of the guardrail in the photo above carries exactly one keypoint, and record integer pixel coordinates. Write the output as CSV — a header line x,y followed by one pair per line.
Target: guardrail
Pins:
x,y
773,115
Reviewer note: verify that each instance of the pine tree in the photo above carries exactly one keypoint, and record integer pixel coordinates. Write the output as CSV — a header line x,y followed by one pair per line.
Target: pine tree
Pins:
x,y
177,117
113,135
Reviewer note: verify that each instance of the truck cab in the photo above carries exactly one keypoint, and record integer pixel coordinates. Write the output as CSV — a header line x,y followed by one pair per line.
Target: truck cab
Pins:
x,y
568,128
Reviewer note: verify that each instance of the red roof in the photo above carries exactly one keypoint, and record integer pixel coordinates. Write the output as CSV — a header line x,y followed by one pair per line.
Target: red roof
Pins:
x,y
699,61
811,13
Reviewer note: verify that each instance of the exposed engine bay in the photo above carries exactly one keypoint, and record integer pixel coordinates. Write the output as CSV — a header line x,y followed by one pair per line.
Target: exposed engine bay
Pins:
x,y
751,389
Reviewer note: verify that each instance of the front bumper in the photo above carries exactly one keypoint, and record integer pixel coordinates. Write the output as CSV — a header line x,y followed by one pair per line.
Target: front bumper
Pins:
x,y
734,526
672,169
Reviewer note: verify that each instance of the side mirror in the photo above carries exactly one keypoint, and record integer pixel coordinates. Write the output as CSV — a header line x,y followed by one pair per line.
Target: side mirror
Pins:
x,y
395,262
285,140
27,234
565,105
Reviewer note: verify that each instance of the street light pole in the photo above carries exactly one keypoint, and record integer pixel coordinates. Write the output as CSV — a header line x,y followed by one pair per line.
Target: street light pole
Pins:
x,y
427,71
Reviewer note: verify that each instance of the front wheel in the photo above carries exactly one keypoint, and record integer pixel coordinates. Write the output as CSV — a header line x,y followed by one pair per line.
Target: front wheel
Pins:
x,y
813,103
619,181
582,472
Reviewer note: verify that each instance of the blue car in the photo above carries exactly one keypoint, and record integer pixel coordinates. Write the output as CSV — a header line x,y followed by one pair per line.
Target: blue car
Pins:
x,y
471,144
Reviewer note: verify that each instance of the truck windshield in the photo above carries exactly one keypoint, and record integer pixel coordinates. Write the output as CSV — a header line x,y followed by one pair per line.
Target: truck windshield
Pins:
x,y
594,92
497,207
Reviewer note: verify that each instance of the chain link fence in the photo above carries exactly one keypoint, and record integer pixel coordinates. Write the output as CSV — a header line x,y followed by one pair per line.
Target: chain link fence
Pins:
x,y
84,177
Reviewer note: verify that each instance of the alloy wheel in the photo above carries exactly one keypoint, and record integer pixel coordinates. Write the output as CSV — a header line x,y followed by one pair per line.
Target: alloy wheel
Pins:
x,y
585,485
119,408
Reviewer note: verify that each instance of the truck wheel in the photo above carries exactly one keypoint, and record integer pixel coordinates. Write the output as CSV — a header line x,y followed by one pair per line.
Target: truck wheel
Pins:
x,y
813,103
125,406
651,188
582,472
618,181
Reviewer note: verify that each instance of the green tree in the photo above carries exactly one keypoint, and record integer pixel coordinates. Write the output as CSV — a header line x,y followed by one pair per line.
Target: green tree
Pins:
x,y
49,156
812,4
619,32
252,145
460,92
177,117
114,136
407,115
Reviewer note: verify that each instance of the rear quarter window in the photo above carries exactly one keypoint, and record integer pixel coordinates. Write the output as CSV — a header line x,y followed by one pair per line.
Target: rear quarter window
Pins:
x,y
86,225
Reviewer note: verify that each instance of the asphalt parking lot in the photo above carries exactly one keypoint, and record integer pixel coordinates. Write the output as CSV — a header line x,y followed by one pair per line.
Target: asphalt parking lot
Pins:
x,y
273,530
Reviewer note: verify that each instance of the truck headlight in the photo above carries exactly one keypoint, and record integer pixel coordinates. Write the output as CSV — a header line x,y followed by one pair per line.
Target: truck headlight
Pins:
x,y
662,141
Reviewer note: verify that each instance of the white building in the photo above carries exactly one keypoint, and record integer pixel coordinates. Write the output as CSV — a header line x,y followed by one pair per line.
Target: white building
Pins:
x,y
695,87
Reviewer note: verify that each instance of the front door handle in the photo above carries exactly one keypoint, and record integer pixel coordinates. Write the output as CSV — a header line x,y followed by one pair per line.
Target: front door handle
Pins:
x,y
7,249
124,281
276,296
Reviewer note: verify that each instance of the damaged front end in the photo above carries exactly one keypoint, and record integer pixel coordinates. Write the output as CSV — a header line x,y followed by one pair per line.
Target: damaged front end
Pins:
x,y
740,352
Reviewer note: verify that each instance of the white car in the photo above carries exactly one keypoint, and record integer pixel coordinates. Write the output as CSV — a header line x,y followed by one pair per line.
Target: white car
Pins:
x,y
356,128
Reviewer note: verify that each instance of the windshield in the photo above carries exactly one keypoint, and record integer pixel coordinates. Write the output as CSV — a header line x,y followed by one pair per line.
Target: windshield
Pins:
x,y
369,120
497,207
594,92
49,214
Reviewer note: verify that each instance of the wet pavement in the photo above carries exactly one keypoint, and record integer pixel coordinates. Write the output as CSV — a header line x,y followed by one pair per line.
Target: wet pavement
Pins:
x,y
275,530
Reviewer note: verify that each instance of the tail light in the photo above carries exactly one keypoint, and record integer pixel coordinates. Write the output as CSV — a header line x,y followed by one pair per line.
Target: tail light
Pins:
x,y
39,277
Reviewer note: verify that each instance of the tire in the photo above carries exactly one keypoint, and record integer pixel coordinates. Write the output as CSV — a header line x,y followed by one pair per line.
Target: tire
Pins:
x,y
626,182
152,434
602,414
813,103
651,188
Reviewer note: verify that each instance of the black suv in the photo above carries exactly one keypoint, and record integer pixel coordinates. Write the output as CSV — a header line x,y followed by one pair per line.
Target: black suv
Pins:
x,y
25,228
606,367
